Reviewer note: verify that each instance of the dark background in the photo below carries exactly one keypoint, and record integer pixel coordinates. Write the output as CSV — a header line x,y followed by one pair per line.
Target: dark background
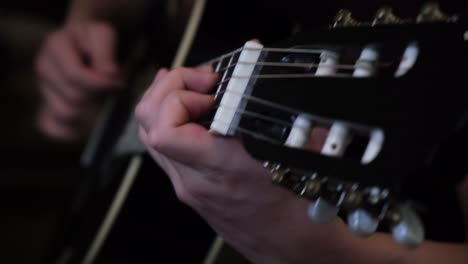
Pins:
x,y
37,177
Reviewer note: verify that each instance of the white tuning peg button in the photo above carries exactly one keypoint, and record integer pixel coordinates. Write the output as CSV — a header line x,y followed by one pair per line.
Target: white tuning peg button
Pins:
x,y
409,231
365,65
408,60
322,211
362,223
337,140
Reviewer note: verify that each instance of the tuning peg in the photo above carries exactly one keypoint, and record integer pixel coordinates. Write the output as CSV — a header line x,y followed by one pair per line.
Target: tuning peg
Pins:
x,y
366,64
431,12
408,60
344,19
385,16
337,140
409,230
362,222
311,189
300,132
322,211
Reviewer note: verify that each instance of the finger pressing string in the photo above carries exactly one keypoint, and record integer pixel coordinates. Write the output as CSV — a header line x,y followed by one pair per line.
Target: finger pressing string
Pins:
x,y
173,130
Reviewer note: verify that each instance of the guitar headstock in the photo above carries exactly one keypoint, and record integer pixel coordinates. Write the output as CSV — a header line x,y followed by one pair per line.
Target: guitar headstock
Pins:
x,y
347,116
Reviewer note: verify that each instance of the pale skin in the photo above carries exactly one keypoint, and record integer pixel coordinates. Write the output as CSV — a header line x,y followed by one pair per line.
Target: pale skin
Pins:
x,y
77,63
233,192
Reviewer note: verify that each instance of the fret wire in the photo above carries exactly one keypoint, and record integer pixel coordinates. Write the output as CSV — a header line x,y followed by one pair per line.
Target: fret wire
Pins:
x,y
232,53
218,66
224,76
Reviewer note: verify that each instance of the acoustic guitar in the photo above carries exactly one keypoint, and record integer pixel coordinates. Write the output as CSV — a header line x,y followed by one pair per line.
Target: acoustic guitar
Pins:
x,y
383,95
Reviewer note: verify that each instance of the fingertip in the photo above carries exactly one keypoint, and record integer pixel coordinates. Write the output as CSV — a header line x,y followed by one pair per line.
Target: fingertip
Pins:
x,y
160,74
256,40
204,68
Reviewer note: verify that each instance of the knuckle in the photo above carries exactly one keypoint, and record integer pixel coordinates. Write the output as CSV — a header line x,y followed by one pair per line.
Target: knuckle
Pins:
x,y
73,76
102,27
141,111
179,71
174,98
182,194
155,140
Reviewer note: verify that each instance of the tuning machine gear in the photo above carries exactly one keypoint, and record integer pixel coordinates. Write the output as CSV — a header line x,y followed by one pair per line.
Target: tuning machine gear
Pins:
x,y
384,15
364,208
406,227
344,19
431,12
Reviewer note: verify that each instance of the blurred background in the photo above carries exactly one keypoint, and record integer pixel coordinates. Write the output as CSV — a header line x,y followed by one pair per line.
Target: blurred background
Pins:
x,y
37,177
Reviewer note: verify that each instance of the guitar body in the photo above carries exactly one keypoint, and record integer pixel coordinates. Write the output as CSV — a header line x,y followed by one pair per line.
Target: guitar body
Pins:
x,y
119,218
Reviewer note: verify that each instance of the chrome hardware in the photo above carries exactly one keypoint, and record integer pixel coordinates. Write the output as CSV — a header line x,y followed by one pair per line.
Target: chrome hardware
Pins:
x,y
311,189
362,222
374,195
409,230
285,178
322,211
393,216
352,199
366,207
344,19
385,16
431,12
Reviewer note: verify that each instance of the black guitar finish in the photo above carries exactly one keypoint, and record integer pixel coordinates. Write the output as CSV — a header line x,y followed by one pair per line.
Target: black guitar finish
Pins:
x,y
420,113
417,112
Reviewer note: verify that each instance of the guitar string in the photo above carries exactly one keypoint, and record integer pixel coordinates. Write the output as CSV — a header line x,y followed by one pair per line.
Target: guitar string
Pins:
x,y
287,76
273,105
254,114
224,70
274,50
273,120
322,121
307,65
247,131
230,55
